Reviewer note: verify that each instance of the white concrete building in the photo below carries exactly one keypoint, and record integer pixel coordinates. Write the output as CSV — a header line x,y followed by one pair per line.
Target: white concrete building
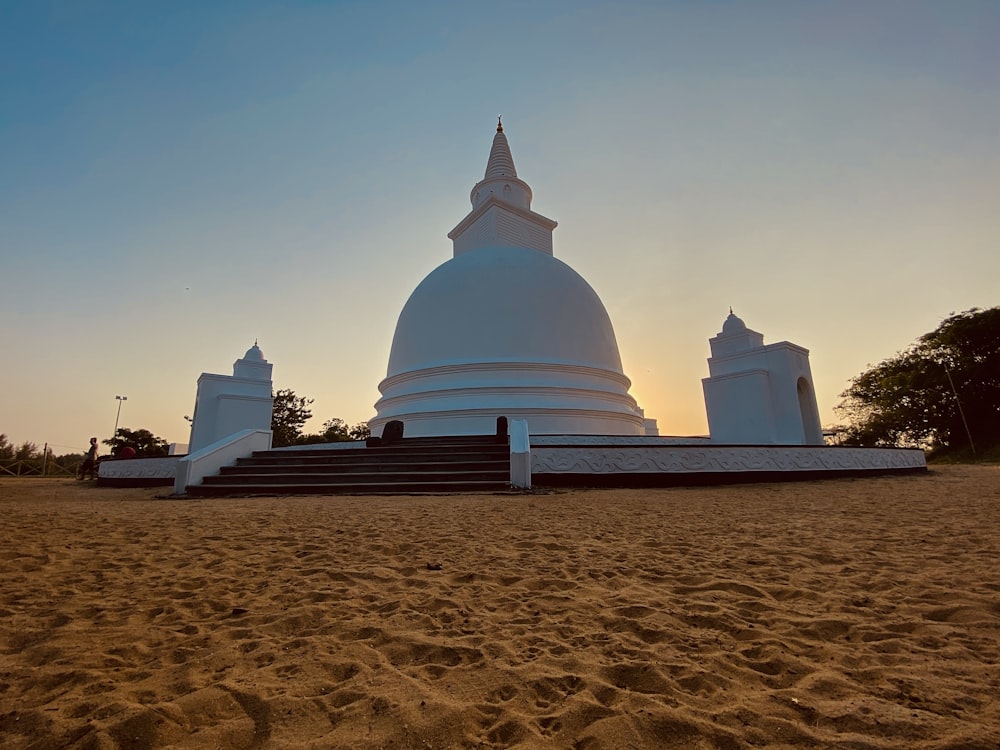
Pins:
x,y
759,394
227,404
503,328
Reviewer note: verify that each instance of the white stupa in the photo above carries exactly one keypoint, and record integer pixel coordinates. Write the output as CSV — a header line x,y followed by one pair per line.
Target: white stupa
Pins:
x,y
505,329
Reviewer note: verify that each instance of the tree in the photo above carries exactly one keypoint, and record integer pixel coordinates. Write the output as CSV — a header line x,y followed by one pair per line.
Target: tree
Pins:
x,y
26,451
6,447
360,431
335,430
288,414
143,442
939,392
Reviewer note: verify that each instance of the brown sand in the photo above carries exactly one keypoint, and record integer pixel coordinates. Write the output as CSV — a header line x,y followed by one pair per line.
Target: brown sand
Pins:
x,y
841,614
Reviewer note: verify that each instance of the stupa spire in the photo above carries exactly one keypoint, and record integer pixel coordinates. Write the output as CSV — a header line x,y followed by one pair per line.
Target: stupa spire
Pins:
x,y
500,164
501,208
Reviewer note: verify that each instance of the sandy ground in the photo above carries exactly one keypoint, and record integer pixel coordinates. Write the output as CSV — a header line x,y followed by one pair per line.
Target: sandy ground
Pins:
x,y
838,614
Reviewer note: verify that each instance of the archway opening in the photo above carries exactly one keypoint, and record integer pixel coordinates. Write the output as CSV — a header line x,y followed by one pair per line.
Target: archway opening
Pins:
x,y
812,432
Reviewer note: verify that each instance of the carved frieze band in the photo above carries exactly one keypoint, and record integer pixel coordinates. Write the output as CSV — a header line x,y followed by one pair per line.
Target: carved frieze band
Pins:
x,y
139,468
619,459
617,441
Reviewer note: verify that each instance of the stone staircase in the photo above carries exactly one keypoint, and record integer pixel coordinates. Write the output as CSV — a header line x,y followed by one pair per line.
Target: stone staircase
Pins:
x,y
411,465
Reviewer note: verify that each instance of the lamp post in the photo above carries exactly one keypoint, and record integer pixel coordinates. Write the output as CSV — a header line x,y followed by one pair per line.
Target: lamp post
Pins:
x,y
120,399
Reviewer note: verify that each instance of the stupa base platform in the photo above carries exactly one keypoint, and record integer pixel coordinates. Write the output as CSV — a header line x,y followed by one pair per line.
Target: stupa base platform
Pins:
x,y
616,461
601,461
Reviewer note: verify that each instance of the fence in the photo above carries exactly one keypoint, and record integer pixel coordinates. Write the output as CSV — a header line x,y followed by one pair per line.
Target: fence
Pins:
x,y
37,467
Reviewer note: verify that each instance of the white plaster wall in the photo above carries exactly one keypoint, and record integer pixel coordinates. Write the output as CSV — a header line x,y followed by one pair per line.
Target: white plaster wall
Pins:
x,y
243,368
786,364
496,223
739,408
208,459
742,342
242,412
225,405
477,234
752,397
810,411
513,230
520,454
510,190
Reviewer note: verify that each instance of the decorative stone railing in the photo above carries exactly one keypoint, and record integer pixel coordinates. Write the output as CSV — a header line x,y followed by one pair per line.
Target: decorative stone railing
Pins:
x,y
520,455
609,461
194,467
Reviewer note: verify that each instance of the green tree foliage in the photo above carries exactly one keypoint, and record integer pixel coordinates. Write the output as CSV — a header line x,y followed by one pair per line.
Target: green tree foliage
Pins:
x,y
6,447
143,442
919,396
360,431
26,451
288,415
336,431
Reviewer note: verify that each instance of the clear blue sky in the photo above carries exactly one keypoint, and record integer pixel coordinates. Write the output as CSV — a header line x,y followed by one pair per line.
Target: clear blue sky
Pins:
x,y
178,179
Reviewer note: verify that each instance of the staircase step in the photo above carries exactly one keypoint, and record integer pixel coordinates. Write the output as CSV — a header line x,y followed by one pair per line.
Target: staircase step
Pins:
x,y
368,478
395,466
270,459
207,490
412,465
396,449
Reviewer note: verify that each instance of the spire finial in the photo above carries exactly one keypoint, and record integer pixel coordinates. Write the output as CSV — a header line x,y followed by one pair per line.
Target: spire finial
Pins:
x,y
255,338
499,124
730,309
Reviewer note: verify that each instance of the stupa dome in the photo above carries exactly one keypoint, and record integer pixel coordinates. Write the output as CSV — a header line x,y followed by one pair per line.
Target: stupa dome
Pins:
x,y
503,304
505,329
252,365
735,337
733,325
254,354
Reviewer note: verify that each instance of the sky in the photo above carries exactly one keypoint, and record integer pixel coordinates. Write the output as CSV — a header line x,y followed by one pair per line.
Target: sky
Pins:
x,y
180,179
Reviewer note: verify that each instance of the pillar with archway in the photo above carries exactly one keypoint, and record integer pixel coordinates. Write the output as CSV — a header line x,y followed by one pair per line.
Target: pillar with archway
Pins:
x,y
759,394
